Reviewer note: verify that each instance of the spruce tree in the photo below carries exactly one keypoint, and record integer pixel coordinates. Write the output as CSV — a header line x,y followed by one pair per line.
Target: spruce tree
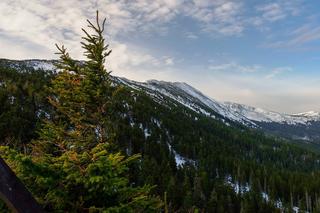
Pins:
x,y
74,166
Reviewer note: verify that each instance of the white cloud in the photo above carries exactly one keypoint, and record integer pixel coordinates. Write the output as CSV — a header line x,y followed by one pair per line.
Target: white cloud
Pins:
x,y
234,67
169,61
136,63
123,57
272,12
275,11
30,30
191,35
139,15
42,23
45,22
221,17
280,9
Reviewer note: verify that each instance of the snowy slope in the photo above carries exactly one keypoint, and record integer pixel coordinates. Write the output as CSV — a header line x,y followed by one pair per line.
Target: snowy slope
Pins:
x,y
36,64
189,97
194,99
237,112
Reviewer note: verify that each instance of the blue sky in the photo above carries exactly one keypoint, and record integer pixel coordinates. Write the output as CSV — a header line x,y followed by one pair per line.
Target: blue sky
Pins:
x,y
264,53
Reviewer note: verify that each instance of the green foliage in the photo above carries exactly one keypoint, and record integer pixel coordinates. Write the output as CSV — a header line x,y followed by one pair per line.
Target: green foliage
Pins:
x,y
23,103
73,166
95,180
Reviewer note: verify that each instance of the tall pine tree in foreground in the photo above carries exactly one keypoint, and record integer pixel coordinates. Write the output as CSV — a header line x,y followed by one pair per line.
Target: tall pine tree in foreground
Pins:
x,y
74,166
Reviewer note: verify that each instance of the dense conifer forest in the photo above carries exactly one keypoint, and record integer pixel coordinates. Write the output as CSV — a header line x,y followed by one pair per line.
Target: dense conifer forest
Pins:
x,y
82,142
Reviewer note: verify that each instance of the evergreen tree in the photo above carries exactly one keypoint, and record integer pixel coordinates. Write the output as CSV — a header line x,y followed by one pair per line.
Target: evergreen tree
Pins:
x,y
74,164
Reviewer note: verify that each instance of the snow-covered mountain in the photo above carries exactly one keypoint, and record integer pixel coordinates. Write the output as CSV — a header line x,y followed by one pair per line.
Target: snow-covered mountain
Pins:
x,y
194,99
37,64
262,115
302,126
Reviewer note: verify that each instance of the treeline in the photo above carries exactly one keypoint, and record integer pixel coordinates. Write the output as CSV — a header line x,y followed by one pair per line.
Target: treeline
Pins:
x,y
82,143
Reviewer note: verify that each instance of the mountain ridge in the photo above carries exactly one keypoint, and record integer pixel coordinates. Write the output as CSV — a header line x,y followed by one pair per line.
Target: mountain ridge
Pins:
x,y
299,126
48,64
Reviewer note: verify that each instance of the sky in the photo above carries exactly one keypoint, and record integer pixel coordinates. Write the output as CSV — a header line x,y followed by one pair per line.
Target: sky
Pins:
x,y
263,53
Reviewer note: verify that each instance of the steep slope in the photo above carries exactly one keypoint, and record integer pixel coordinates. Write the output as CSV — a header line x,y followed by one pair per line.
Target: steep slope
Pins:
x,y
302,126
189,97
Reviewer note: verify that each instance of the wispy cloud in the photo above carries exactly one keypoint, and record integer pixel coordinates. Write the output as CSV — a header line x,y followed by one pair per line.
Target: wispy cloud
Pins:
x,y
222,17
169,61
234,67
191,35
258,70
278,10
278,71
300,36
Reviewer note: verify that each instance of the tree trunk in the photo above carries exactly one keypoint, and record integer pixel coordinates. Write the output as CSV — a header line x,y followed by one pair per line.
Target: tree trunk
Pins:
x,y
14,193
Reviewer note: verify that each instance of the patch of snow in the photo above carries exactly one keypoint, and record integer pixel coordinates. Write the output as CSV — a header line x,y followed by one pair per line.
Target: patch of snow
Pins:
x,y
146,133
131,122
44,65
157,122
265,196
295,209
304,138
180,160
278,204
241,189
12,99
237,188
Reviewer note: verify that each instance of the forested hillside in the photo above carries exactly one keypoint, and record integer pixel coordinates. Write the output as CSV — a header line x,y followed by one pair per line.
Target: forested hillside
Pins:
x,y
219,167
81,142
